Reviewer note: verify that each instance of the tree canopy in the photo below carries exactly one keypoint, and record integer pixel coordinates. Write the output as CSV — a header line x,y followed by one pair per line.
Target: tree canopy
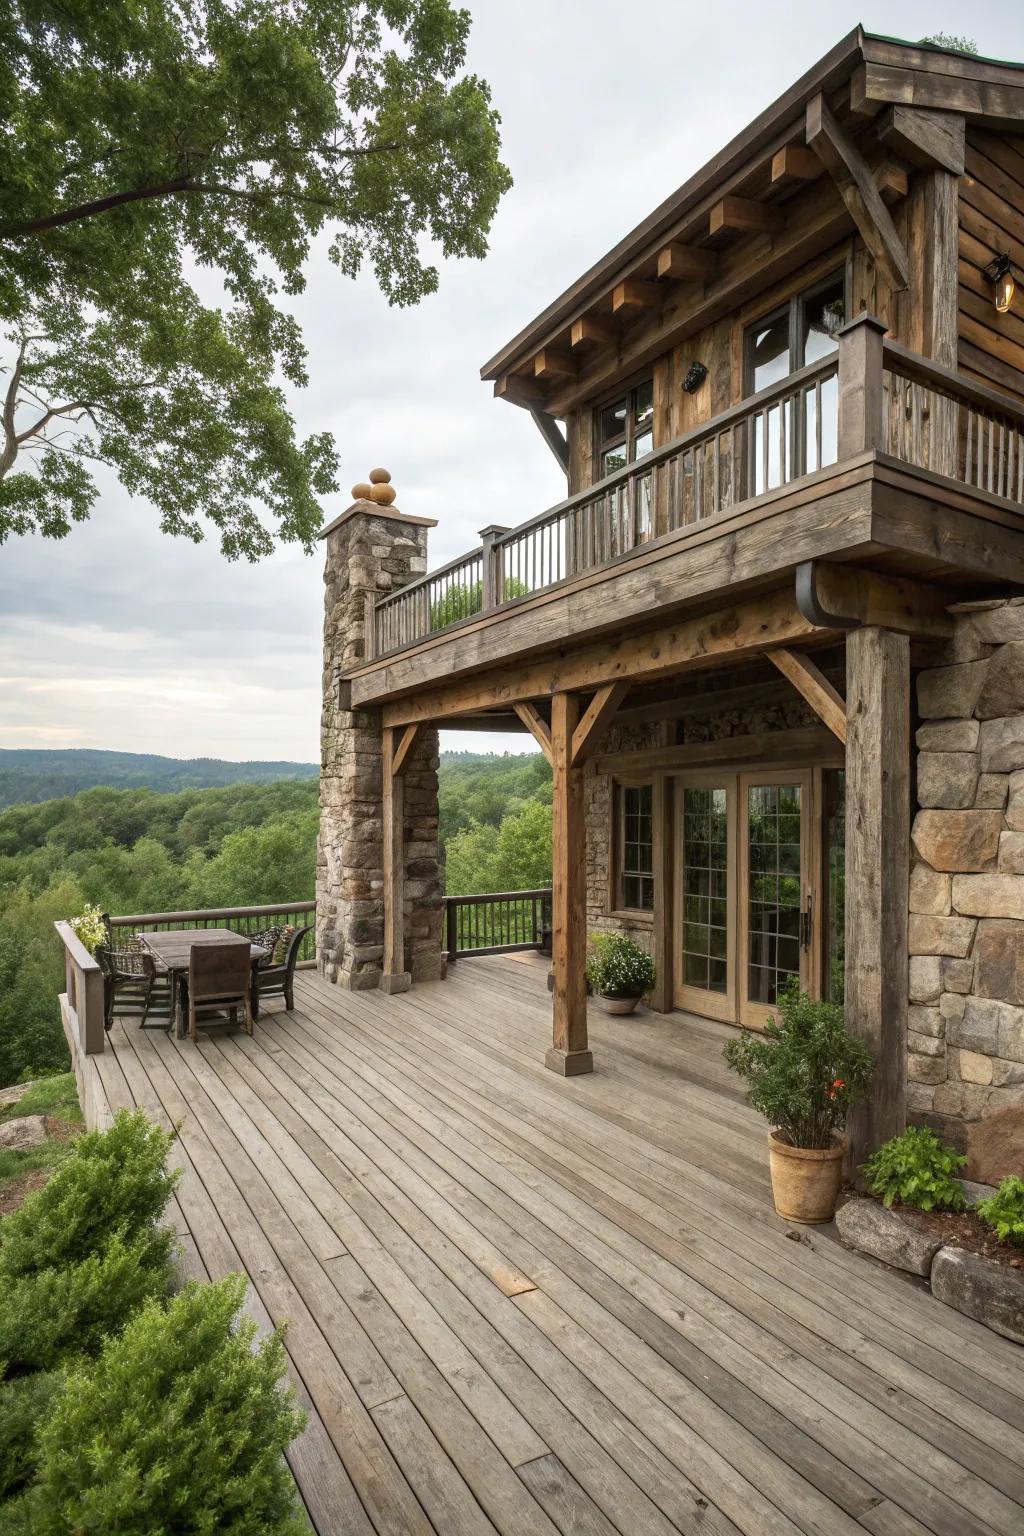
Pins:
x,y
154,148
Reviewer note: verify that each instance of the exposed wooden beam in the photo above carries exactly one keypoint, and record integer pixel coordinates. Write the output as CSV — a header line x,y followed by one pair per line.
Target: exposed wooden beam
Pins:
x,y
569,1054
686,261
744,215
403,747
891,181
727,635
845,596
588,331
874,86
553,363
932,140
587,735
815,687
759,747
551,432
852,175
794,162
634,295
536,725
519,390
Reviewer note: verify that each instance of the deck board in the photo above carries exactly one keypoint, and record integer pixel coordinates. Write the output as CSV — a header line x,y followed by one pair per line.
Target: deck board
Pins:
x,y
537,1306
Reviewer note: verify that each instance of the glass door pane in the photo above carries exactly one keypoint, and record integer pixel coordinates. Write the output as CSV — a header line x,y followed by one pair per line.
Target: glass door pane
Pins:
x,y
705,899
774,897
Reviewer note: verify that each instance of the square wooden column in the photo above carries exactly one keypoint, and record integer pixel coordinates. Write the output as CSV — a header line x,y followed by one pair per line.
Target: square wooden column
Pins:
x,y
569,1054
878,874
394,976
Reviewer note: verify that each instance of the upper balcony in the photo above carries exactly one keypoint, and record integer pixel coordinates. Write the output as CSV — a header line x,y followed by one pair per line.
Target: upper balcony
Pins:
x,y
873,454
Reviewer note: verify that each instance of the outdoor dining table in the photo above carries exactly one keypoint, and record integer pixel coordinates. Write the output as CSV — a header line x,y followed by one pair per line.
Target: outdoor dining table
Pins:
x,y
171,952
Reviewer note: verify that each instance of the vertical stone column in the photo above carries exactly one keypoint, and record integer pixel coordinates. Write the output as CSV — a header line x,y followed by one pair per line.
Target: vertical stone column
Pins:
x,y
370,549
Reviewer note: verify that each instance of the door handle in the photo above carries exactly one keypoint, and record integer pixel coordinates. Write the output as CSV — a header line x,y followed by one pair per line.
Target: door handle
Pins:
x,y
807,922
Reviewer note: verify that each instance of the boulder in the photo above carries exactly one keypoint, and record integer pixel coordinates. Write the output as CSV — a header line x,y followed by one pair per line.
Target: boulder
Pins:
x,y
947,692
995,1146
27,1131
984,1289
974,1193
1011,853
948,736
867,1225
940,935
999,960
930,891
14,1093
994,895
1002,744
947,780
1003,690
957,841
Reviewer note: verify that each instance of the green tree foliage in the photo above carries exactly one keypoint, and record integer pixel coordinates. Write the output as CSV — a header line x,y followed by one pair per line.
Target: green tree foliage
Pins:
x,y
144,142
952,42
46,773
514,856
918,1169
483,788
23,1402
180,1425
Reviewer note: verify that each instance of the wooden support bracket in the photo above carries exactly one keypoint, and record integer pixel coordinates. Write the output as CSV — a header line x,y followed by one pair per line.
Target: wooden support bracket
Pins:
x,y
536,725
793,162
400,755
517,389
853,176
634,295
588,331
932,140
686,261
745,216
587,735
552,363
815,687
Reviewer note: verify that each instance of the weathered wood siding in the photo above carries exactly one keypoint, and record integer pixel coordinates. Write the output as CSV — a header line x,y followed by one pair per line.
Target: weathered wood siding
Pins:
x,y
991,346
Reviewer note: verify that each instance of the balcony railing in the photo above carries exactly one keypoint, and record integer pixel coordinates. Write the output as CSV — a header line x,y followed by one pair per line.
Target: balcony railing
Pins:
x,y
929,416
497,923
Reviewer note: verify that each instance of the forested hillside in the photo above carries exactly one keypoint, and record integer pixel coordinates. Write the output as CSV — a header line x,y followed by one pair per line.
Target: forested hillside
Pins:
x,y
27,774
135,850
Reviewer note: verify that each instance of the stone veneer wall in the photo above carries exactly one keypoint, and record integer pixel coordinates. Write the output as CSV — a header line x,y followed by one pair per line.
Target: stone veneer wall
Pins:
x,y
370,550
966,1015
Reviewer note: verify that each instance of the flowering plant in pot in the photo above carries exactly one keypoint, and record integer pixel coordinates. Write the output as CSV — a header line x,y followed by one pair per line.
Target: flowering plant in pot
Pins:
x,y
803,1074
619,971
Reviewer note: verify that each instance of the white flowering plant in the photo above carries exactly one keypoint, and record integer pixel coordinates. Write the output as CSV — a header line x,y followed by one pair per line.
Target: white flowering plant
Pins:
x,y
90,928
618,967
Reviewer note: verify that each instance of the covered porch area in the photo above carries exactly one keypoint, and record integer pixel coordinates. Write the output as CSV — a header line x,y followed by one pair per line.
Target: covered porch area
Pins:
x,y
522,1304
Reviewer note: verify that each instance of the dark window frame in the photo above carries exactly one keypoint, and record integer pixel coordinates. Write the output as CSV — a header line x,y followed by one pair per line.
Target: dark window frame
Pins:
x,y
628,436
795,306
620,873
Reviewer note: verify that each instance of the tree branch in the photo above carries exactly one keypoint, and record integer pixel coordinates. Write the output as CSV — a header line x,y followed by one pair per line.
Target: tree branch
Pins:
x,y
10,448
88,406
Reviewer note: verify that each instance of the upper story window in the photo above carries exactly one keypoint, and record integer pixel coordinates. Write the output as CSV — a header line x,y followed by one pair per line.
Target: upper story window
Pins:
x,y
634,882
802,331
625,429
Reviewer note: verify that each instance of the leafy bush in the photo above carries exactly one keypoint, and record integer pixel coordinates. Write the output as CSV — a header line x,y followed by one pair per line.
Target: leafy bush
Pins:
x,y
1004,1211
23,1402
916,1169
805,1071
90,928
618,967
113,1181
52,1313
179,1426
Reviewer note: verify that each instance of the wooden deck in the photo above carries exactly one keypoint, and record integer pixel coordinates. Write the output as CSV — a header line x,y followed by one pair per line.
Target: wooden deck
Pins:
x,y
526,1304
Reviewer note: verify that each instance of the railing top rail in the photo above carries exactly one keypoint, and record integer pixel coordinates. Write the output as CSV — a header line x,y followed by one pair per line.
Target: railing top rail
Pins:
x,y
208,914
424,581
477,899
924,370
75,948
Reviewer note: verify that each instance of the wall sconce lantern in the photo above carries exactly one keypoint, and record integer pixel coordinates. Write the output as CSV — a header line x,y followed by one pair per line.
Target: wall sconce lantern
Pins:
x,y
1003,282
695,376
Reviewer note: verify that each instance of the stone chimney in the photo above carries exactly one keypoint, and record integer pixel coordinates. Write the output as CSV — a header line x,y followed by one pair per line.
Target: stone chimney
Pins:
x,y
372,548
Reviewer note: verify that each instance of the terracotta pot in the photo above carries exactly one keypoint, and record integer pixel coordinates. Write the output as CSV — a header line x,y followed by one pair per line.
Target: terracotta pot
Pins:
x,y
805,1180
618,1004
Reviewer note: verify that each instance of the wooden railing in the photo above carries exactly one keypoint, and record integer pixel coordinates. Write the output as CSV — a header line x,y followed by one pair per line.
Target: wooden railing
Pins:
x,y
82,1002
497,923
241,919
937,419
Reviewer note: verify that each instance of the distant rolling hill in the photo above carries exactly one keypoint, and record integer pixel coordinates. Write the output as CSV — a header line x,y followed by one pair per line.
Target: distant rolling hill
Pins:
x,y
31,775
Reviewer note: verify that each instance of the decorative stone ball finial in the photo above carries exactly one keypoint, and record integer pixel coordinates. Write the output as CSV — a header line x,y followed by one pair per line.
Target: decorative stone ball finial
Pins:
x,y
379,489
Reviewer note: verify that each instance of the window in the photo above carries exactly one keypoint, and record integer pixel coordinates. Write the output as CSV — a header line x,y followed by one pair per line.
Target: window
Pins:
x,y
800,332
635,864
626,429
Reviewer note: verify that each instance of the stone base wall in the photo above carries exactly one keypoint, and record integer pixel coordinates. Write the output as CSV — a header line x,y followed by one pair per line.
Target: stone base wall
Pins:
x,y
966,1015
370,551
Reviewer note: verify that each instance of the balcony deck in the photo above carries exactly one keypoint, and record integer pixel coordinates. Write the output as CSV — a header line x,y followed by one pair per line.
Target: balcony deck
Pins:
x,y
526,1304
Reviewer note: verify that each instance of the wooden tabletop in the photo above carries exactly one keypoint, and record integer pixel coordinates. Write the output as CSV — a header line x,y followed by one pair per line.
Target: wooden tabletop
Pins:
x,y
172,948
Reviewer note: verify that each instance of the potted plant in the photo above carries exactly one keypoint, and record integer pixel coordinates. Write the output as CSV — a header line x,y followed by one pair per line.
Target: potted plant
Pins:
x,y
90,927
619,971
803,1074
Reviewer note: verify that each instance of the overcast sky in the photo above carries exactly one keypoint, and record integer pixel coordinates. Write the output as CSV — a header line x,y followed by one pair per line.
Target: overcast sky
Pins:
x,y
121,637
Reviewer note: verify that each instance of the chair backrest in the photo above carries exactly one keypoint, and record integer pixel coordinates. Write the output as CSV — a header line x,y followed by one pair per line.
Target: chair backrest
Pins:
x,y
218,970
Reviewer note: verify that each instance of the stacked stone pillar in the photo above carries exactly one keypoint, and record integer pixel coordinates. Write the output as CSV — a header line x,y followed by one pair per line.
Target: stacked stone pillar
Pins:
x,y
370,549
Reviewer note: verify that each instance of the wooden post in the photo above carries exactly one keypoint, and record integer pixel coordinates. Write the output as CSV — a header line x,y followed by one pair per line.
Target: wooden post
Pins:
x,y
878,874
394,976
861,424
451,923
493,586
662,932
569,1054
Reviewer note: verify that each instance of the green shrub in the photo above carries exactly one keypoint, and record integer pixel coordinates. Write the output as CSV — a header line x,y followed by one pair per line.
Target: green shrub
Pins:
x,y
1004,1211
178,1427
23,1402
805,1071
618,967
113,1181
49,1314
916,1169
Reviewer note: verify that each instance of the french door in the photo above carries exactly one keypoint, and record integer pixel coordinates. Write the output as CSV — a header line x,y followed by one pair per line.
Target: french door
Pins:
x,y
747,846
